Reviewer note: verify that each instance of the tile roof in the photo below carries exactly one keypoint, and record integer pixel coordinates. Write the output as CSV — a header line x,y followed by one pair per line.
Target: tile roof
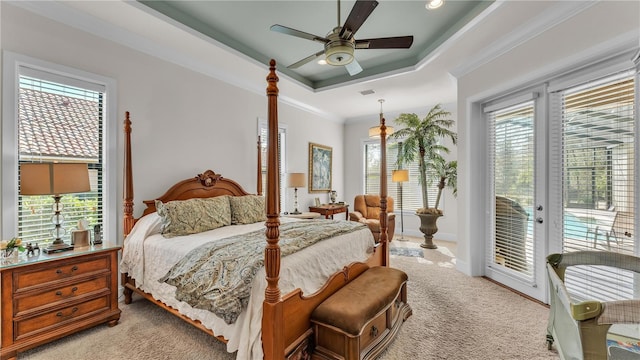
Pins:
x,y
53,124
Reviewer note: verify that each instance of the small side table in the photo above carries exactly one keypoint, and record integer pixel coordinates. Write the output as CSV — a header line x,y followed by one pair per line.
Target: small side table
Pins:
x,y
304,215
328,210
48,296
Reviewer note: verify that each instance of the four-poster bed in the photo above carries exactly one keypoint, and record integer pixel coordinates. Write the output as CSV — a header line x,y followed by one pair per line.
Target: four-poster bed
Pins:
x,y
285,309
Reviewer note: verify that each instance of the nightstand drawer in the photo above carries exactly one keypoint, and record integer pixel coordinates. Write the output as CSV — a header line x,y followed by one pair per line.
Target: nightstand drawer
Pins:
x,y
67,315
25,280
66,293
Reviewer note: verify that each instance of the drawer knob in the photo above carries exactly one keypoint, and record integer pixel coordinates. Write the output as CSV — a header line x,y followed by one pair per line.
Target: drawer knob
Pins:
x,y
374,331
73,311
60,272
73,290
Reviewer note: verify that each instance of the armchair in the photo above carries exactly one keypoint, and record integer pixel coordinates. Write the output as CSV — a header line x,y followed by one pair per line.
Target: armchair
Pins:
x,y
367,210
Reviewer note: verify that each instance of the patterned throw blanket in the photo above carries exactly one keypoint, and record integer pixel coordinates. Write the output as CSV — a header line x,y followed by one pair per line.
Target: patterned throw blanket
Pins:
x,y
217,276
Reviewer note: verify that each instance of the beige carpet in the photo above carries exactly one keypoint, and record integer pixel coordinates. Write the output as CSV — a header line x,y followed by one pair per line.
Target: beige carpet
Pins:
x,y
454,317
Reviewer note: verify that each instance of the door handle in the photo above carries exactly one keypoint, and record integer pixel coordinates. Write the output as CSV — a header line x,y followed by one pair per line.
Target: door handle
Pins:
x,y
539,220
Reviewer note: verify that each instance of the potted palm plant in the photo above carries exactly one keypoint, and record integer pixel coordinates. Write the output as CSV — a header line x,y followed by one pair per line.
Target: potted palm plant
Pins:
x,y
421,140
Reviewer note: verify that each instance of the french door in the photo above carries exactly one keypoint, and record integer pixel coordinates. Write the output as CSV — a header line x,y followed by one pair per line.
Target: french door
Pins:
x,y
516,203
563,182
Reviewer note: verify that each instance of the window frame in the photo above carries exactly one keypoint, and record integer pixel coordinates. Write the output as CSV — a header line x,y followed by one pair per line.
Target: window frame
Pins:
x,y
282,156
13,63
393,189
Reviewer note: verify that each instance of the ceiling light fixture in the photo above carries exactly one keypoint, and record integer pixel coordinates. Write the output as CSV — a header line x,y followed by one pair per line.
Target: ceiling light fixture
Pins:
x,y
322,62
338,52
434,4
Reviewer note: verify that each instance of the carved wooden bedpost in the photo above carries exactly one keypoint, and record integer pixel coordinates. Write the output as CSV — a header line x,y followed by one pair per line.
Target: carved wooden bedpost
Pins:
x,y
383,191
259,179
128,220
272,317
127,195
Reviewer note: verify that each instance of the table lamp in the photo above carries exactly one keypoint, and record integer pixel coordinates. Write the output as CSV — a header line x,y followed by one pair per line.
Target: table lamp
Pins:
x,y
296,180
400,176
54,179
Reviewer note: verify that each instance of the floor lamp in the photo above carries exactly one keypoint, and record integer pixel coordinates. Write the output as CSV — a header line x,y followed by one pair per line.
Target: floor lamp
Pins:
x,y
54,179
295,180
400,176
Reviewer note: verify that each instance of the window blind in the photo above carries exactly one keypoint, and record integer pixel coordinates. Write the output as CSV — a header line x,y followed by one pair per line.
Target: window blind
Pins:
x,y
64,123
511,153
411,190
263,132
598,155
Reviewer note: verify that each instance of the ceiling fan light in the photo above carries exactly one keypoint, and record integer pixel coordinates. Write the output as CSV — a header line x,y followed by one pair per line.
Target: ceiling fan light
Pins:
x,y
338,55
434,4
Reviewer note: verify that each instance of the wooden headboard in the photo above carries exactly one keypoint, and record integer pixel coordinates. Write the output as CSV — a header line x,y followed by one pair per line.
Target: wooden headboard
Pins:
x,y
205,185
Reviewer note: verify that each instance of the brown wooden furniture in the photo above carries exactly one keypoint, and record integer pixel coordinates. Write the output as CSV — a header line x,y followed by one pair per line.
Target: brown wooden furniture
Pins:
x,y
46,297
286,325
328,210
366,209
304,215
348,329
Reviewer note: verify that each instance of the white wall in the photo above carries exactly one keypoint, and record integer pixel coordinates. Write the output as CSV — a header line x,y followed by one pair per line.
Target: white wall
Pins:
x,y
183,121
595,33
356,132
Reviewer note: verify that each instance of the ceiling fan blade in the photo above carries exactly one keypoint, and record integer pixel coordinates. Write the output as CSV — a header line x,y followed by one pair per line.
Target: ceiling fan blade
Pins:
x,y
358,15
353,67
399,42
305,60
298,33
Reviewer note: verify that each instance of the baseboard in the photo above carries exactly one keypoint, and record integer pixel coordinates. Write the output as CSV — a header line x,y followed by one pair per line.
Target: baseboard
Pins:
x,y
463,267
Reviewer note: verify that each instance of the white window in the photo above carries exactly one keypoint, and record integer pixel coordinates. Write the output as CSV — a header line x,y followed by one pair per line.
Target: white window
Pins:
x,y
55,114
597,133
411,190
282,142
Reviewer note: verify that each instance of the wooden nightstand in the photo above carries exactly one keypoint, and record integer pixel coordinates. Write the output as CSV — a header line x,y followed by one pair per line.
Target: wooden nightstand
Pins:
x,y
328,210
46,297
304,215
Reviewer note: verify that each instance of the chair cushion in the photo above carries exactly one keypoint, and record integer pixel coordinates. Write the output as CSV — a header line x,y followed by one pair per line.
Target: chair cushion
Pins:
x,y
351,307
373,224
369,205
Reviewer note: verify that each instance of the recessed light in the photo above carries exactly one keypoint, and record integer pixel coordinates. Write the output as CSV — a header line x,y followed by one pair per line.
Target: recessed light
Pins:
x,y
434,4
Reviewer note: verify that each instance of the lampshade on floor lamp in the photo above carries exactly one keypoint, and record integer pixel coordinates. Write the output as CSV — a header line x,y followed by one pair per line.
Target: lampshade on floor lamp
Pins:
x,y
296,180
400,176
54,179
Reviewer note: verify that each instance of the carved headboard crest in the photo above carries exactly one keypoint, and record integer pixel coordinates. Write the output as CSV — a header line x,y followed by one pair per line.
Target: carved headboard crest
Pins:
x,y
209,178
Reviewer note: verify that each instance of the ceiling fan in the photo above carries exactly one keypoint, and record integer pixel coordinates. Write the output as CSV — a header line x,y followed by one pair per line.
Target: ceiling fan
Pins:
x,y
339,44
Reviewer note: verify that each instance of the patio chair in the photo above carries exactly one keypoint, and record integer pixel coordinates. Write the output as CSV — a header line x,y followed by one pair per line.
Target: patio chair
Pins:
x,y
603,225
579,329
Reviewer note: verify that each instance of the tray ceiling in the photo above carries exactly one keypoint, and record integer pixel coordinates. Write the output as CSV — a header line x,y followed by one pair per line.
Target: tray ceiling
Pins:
x,y
244,27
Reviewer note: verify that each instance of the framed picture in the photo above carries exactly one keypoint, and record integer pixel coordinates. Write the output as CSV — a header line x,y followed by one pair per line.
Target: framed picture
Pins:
x,y
317,202
320,159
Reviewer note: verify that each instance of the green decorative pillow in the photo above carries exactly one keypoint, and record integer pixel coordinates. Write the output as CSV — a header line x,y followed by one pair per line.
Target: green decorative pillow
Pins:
x,y
247,209
184,217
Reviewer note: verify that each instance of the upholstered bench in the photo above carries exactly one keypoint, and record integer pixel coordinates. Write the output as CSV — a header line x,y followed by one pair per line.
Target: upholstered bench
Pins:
x,y
363,317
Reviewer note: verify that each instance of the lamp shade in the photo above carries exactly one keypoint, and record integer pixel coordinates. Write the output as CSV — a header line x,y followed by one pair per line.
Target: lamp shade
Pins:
x,y
374,131
296,180
400,175
53,178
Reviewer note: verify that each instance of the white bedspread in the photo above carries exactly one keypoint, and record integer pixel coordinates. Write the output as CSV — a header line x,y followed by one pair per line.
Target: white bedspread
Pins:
x,y
308,270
